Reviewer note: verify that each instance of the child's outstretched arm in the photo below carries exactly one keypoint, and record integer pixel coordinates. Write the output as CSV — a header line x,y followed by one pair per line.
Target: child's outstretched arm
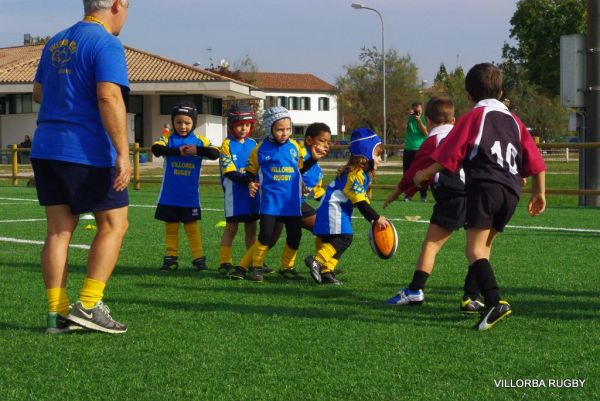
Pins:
x,y
537,203
426,174
392,197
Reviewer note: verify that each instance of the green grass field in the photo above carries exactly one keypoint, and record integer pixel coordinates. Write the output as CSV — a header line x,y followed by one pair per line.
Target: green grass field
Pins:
x,y
196,336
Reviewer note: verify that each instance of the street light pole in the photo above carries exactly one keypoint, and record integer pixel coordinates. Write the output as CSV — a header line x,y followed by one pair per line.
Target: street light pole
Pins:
x,y
358,6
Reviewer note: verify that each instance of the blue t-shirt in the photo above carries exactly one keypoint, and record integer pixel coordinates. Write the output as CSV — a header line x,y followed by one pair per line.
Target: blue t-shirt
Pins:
x,y
312,179
234,157
69,124
278,169
181,174
334,213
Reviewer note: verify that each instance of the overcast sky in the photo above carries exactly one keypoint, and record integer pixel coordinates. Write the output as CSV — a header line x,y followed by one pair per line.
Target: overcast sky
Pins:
x,y
306,36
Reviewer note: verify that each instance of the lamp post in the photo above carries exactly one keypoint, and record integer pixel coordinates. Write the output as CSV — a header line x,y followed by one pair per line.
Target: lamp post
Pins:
x,y
359,6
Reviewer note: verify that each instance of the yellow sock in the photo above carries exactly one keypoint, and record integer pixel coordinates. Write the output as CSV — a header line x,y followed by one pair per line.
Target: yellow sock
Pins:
x,y
225,256
172,238
325,253
194,238
58,301
247,258
288,257
258,258
91,292
330,265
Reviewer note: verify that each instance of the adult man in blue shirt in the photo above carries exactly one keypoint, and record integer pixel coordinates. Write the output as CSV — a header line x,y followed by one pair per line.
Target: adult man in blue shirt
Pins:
x,y
80,158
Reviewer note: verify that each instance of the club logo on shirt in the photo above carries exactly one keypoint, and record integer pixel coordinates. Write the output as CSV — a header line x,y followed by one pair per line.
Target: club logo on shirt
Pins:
x,y
357,188
62,52
294,153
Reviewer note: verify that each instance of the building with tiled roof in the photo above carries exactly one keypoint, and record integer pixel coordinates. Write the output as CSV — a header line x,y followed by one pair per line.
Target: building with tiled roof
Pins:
x,y
156,83
309,98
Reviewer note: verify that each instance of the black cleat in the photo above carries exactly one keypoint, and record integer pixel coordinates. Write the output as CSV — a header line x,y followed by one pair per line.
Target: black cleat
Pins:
x,y
255,274
469,306
200,263
314,267
225,268
239,273
169,264
329,278
492,315
290,274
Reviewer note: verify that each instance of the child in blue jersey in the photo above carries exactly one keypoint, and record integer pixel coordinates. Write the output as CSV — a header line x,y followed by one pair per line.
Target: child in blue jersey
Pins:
x,y
239,206
333,224
317,139
179,199
278,165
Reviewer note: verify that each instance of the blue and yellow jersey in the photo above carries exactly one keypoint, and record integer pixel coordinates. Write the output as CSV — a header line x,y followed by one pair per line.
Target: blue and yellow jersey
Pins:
x,y
277,167
313,179
335,210
234,157
181,174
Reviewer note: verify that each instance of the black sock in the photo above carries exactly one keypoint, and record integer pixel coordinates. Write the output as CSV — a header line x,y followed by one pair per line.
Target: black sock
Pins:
x,y
471,289
418,281
481,269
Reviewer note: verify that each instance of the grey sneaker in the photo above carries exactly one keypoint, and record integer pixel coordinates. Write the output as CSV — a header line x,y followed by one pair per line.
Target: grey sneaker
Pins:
x,y
59,324
97,318
314,267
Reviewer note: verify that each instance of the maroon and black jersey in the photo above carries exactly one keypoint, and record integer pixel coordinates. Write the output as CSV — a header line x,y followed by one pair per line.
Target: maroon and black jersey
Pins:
x,y
493,145
445,184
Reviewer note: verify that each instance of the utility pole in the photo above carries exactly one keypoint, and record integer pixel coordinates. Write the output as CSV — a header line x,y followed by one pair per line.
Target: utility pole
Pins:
x,y
591,156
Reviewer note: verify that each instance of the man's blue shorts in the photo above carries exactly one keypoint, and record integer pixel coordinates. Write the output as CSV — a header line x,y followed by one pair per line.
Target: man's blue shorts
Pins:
x,y
83,188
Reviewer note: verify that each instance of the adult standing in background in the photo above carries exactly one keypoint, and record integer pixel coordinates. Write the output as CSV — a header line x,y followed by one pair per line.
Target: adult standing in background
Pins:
x,y
80,158
416,133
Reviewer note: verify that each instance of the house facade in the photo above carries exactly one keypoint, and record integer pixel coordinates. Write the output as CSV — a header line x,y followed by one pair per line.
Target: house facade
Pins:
x,y
156,84
308,98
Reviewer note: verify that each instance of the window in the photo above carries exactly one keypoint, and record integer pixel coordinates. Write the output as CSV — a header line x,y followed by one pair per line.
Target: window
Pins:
x,y
135,104
293,103
323,104
2,105
18,104
304,103
270,101
282,101
204,104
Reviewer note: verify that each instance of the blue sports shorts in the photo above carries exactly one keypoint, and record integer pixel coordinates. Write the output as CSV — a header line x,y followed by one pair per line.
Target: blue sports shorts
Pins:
x,y
83,188
177,214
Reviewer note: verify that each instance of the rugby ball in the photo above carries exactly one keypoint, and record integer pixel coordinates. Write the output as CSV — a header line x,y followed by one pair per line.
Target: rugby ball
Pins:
x,y
383,242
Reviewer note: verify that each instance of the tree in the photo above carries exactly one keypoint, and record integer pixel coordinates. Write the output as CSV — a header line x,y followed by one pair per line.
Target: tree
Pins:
x,y
537,26
361,87
452,85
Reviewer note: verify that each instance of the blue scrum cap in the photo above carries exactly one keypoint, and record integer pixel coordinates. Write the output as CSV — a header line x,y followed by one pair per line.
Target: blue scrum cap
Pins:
x,y
363,142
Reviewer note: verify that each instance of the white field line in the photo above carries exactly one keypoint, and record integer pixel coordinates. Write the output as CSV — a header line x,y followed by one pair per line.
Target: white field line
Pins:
x,y
21,220
26,241
538,228
20,199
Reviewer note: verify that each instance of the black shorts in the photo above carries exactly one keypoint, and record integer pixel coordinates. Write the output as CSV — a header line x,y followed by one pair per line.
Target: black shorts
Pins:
x,y
450,213
490,205
242,218
307,210
177,214
83,188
